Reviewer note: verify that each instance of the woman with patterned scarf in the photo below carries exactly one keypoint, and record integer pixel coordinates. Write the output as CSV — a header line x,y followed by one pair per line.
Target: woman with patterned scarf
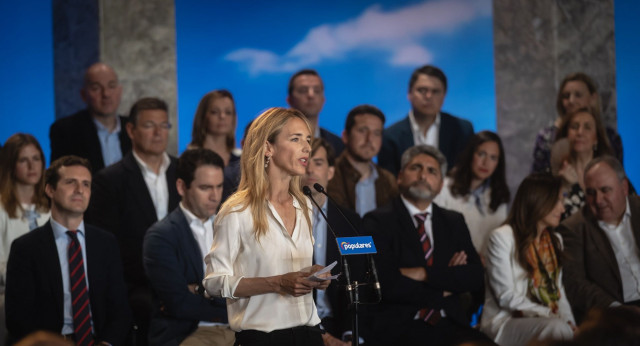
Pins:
x,y
525,298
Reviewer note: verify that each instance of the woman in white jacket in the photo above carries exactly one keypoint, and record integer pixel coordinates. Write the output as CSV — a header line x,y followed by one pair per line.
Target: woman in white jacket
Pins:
x,y
525,298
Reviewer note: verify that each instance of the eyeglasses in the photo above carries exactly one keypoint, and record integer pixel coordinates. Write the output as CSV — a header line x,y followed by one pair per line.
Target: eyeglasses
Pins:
x,y
150,125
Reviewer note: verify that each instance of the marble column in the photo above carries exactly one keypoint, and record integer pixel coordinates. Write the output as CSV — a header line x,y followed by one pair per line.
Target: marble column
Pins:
x,y
137,38
537,43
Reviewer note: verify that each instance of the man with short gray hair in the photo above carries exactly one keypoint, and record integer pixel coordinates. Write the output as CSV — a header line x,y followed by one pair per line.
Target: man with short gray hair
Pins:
x,y
602,241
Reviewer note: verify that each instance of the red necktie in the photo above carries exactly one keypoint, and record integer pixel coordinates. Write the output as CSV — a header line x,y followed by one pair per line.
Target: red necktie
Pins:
x,y
79,293
428,315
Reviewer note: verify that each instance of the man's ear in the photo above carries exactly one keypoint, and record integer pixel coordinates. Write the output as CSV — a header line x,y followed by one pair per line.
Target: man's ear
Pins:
x,y
181,187
345,137
129,128
48,190
332,171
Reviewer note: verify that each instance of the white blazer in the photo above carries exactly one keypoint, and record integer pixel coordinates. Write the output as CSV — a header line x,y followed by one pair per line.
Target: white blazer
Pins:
x,y
507,287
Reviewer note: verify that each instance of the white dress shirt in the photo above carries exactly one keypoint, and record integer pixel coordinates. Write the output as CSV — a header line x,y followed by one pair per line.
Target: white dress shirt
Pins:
x,y
433,133
236,253
156,184
627,254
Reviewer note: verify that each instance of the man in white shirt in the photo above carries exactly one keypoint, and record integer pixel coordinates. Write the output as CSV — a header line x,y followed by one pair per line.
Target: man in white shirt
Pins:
x,y
135,192
603,263
174,251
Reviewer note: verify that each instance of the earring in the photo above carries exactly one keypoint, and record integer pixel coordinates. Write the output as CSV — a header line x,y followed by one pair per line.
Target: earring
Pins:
x,y
266,162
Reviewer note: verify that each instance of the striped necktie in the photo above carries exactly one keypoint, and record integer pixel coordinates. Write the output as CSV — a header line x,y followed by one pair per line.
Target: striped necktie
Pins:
x,y
79,293
424,238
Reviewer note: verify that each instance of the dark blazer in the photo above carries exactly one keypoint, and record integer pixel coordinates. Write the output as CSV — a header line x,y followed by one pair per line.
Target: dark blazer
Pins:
x,y
34,297
172,260
121,204
591,273
335,141
399,246
453,137
77,135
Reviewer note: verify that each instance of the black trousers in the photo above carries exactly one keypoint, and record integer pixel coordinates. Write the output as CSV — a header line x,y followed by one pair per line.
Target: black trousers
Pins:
x,y
297,336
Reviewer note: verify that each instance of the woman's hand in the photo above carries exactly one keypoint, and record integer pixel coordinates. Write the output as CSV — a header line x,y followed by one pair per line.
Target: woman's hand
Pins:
x,y
296,284
568,173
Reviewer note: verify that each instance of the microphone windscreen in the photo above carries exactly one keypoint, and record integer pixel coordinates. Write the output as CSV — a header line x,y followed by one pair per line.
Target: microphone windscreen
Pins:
x,y
318,187
306,190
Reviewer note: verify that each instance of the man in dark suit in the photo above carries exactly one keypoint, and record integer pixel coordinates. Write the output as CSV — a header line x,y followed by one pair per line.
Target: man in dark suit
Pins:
x,y
306,94
174,251
332,303
51,268
602,266
426,260
425,123
132,194
97,132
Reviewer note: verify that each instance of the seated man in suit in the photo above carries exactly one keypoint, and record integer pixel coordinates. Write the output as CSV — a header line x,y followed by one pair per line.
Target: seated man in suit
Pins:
x,y
359,184
135,192
97,132
426,259
306,94
425,123
174,251
332,303
602,266
66,276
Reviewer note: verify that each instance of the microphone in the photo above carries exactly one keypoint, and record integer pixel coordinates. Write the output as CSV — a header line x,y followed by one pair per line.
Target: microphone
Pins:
x,y
372,264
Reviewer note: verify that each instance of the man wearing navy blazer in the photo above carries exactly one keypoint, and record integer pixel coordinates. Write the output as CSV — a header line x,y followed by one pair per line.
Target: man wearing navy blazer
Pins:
x,y
425,266
134,193
174,251
306,94
39,291
425,123
96,133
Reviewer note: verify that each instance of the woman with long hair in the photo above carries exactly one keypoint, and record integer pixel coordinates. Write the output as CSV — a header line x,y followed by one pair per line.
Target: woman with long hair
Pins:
x,y
261,257
214,127
477,187
577,90
525,297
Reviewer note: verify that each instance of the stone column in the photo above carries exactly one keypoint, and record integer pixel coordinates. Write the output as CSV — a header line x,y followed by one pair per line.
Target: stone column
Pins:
x,y
137,38
537,43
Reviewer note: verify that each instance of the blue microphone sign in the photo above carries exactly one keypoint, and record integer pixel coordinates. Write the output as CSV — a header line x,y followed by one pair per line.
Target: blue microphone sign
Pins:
x,y
356,245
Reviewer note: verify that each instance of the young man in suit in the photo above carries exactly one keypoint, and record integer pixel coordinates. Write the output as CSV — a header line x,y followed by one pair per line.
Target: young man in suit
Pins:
x,y
174,251
425,123
602,241
426,259
96,133
132,194
66,276
306,94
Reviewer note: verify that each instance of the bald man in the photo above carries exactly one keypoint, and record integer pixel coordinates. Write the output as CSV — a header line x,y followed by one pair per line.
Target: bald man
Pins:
x,y
95,133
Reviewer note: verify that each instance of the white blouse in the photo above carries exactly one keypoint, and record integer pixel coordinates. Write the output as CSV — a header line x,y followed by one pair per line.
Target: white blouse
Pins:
x,y
236,254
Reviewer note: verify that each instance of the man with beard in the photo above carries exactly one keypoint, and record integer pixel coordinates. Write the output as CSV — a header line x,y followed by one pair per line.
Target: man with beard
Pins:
x,y
426,260
359,184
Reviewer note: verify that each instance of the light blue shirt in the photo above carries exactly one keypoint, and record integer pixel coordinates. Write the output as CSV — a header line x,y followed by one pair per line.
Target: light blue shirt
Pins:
x,y
109,142
320,257
366,193
62,242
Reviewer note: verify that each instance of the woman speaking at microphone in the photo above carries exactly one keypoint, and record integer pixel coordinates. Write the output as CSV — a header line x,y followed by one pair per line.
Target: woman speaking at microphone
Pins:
x,y
262,248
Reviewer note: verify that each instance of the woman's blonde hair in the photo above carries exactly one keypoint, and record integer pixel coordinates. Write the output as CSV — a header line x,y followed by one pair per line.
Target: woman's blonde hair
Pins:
x,y
254,188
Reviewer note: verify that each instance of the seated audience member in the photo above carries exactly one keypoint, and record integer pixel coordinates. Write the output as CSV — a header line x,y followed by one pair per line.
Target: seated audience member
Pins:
x,y
477,187
359,184
66,276
615,326
333,303
306,94
602,266
425,123
96,133
587,140
23,204
426,260
525,298
174,251
214,128
132,194
577,91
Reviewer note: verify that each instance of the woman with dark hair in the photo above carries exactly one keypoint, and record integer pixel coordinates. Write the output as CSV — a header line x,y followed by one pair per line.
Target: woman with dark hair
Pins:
x,y
525,298
587,140
477,187
577,90
214,127
261,257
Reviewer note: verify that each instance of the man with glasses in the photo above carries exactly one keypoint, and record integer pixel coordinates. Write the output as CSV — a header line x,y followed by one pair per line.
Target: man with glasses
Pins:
x,y
133,194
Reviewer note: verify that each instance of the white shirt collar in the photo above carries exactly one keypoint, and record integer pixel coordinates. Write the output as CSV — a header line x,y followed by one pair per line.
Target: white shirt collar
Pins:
x,y
414,124
192,218
146,169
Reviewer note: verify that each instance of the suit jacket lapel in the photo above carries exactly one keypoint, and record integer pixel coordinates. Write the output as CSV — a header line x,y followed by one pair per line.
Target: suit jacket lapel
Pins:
x,y
602,243
136,183
407,134
191,247
92,138
408,229
634,205
51,261
171,177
